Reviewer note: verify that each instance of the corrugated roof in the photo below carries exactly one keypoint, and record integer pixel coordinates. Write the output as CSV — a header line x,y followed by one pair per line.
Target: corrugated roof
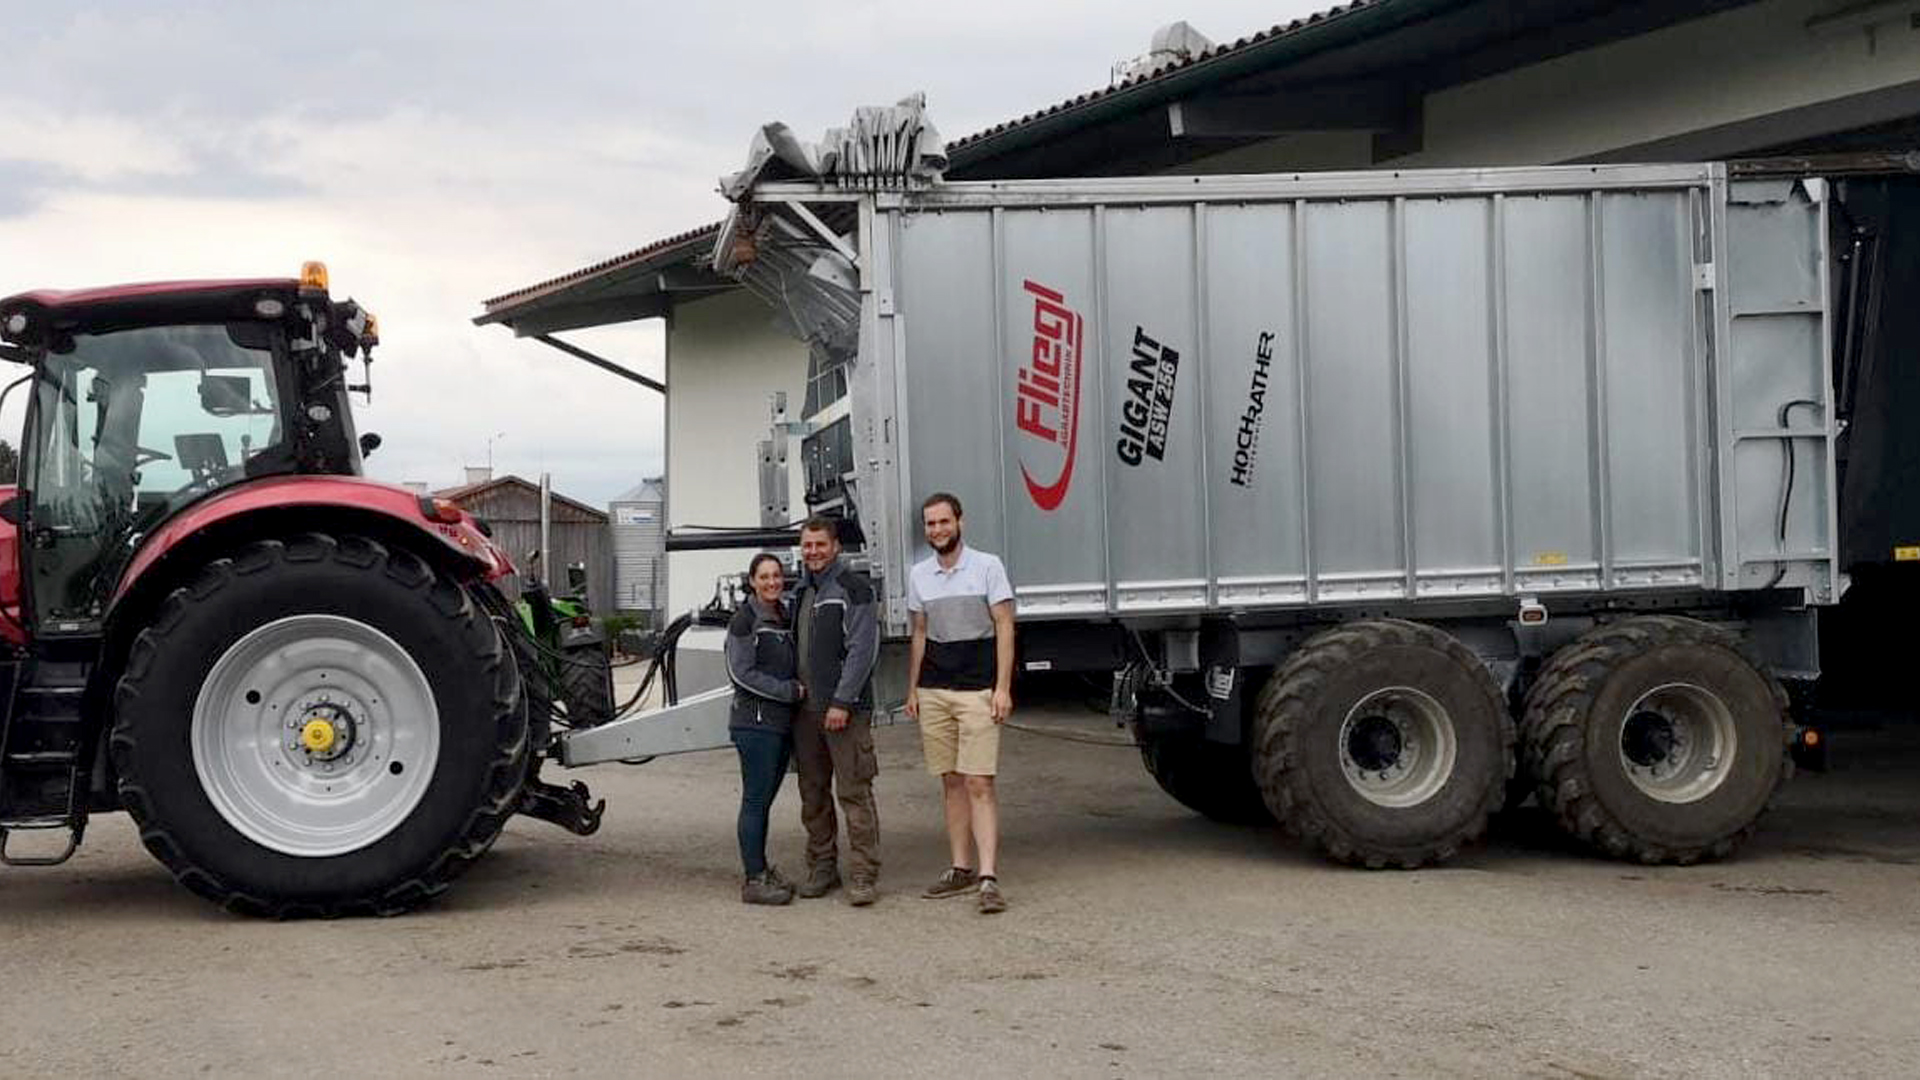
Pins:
x,y
463,492
959,146
618,262
652,489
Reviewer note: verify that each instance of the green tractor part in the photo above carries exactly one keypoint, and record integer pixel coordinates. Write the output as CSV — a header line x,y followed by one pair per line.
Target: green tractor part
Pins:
x,y
572,649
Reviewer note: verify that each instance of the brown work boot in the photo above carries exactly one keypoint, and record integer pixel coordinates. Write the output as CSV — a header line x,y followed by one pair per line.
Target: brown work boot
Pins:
x,y
957,881
992,900
863,891
766,888
822,878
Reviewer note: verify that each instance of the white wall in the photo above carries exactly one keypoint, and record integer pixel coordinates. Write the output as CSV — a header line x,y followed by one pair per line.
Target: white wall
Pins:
x,y
1736,66
1733,68
724,357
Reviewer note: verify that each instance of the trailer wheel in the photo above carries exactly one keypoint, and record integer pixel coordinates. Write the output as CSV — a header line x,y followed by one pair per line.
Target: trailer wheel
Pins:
x,y
586,685
1383,744
319,727
1212,779
1658,739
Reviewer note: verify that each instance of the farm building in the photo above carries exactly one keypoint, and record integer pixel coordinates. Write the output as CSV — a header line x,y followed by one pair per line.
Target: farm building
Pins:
x,y
511,508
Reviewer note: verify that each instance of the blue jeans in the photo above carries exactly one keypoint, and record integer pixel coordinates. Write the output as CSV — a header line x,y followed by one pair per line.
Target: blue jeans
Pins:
x,y
763,765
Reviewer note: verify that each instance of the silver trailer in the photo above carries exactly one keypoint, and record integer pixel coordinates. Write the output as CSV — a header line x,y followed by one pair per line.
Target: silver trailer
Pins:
x,y
1386,497
1195,395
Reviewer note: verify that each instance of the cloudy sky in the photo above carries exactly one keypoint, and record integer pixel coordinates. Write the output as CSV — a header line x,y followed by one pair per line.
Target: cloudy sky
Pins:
x,y
435,154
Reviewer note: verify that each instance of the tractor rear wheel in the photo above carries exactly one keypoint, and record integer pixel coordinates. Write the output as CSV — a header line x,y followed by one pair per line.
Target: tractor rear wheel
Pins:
x,y
319,727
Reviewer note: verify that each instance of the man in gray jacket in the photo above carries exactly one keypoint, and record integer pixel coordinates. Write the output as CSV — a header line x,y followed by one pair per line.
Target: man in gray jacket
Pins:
x,y
838,631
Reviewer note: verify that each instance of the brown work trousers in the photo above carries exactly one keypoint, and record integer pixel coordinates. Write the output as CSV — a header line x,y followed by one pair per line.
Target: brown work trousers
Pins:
x,y
842,760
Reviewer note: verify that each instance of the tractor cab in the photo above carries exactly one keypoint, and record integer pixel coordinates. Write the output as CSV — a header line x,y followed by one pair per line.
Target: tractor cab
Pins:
x,y
145,399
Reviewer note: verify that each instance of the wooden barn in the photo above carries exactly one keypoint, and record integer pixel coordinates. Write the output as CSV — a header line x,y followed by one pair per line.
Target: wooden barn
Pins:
x,y
580,534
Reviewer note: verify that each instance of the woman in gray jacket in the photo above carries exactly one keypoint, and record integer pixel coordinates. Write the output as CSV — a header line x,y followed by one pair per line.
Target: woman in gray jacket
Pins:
x,y
766,689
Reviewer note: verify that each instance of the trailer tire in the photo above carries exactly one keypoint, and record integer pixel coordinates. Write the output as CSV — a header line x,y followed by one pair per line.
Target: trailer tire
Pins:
x,y
423,718
1383,743
1658,739
1519,787
1212,779
586,685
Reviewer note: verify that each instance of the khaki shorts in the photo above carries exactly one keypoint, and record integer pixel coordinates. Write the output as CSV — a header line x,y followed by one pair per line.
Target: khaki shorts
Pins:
x,y
958,732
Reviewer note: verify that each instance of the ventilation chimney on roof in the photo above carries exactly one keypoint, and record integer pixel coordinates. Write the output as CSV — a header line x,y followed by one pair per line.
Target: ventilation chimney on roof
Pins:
x,y
479,474
1174,43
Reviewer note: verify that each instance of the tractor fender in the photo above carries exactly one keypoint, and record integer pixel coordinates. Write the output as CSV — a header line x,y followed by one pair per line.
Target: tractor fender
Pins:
x,y
306,500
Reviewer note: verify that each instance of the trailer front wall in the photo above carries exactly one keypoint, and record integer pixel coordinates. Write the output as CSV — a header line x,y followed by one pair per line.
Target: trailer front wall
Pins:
x,y
1182,404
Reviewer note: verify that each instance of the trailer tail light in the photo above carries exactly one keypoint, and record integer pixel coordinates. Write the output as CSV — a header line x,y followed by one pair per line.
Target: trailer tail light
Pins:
x,y
1809,749
444,511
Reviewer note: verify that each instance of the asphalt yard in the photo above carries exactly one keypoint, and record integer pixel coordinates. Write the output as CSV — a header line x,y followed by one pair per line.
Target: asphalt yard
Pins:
x,y
1142,941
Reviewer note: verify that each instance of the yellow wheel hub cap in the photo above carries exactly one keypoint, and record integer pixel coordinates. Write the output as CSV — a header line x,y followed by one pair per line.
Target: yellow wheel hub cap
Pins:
x,y
318,736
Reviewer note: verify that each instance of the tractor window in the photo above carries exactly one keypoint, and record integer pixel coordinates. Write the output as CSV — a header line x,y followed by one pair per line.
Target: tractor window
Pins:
x,y
211,422
131,426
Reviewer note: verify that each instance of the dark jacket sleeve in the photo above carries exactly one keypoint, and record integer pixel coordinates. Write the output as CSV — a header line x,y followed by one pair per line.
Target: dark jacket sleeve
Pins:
x,y
742,659
862,636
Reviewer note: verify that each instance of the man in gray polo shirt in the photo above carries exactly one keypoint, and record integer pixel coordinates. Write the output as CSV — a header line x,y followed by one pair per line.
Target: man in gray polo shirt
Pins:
x,y
960,689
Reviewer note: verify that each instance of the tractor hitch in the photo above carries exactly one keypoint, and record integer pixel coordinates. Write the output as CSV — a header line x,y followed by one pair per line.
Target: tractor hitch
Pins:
x,y
573,808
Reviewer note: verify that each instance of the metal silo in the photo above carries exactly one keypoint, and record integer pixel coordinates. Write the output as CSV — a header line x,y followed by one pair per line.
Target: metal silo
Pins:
x,y
639,546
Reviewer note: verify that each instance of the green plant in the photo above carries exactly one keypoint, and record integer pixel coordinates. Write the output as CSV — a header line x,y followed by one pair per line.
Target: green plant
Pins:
x,y
614,625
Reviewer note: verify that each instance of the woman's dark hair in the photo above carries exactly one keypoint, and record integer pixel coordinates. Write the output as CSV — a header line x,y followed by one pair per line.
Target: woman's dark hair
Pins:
x,y
753,564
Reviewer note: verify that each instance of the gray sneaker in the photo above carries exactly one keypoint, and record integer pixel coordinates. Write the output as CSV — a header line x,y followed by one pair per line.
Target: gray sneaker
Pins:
x,y
766,888
863,891
822,878
957,881
992,900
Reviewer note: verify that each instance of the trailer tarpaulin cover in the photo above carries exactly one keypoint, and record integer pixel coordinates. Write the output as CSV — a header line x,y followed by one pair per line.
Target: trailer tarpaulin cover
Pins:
x,y
882,146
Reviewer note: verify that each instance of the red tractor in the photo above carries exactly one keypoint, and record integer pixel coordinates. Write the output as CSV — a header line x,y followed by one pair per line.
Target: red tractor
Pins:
x,y
304,686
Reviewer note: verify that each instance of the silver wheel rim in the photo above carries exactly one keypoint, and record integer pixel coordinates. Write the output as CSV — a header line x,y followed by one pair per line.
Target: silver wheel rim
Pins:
x,y
1677,743
1397,747
262,699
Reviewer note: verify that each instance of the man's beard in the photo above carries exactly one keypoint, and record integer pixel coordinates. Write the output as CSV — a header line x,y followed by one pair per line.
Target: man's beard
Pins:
x,y
949,547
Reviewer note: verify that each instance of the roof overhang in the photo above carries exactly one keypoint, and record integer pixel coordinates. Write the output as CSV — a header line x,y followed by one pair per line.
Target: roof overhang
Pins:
x,y
1361,67
641,284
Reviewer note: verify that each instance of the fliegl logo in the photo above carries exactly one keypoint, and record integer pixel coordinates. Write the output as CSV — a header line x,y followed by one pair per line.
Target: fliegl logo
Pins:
x,y
1046,398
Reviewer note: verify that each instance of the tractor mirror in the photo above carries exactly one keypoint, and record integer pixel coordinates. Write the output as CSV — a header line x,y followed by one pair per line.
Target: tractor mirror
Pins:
x,y
226,395
369,442
576,577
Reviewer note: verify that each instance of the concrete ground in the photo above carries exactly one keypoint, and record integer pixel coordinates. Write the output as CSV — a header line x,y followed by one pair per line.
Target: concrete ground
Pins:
x,y
1142,941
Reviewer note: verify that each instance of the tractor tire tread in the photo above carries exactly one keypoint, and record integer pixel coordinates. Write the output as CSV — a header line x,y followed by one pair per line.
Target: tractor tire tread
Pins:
x,y
509,730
